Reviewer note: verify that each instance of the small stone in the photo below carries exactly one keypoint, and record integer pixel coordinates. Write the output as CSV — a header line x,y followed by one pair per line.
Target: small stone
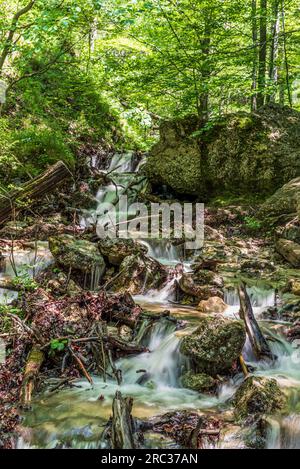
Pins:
x,y
199,382
212,305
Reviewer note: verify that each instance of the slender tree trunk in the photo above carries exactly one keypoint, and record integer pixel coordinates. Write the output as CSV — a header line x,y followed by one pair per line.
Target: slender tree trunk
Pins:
x,y
273,68
286,62
254,66
262,61
11,33
205,43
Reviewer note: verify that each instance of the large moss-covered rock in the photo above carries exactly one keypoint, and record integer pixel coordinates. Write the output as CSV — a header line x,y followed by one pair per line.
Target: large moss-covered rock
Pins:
x,y
199,382
175,160
258,395
215,345
139,274
79,256
286,200
242,153
115,250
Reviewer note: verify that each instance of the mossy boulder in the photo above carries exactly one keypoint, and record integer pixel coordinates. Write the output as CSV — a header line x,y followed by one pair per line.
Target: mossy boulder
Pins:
x,y
115,250
175,160
258,395
79,256
190,286
215,345
199,382
139,274
285,200
240,154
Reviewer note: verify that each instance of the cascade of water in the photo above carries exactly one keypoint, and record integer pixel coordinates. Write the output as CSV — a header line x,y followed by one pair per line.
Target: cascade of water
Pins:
x,y
162,365
261,299
284,433
164,251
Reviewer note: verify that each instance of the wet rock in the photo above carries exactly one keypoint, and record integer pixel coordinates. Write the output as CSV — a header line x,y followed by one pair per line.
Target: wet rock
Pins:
x,y
79,256
199,382
215,345
115,250
214,304
258,395
138,274
208,277
289,250
190,286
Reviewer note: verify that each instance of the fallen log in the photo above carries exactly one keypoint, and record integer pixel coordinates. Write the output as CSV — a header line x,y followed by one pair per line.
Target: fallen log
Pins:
x,y
259,344
32,190
122,425
34,362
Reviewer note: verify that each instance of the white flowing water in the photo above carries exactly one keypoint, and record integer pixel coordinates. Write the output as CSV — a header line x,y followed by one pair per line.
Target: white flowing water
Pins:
x,y
75,417
25,263
261,299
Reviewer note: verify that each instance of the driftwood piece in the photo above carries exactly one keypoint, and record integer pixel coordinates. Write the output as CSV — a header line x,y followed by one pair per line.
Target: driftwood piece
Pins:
x,y
122,425
34,362
32,190
259,344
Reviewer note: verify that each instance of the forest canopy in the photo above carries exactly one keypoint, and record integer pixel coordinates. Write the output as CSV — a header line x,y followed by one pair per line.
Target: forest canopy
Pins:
x,y
108,69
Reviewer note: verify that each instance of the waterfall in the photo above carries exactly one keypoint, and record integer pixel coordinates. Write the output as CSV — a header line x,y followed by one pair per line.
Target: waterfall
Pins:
x,y
163,251
162,365
261,298
284,433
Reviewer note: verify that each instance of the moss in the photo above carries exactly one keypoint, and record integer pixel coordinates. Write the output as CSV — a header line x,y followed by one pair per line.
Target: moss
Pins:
x,y
243,154
200,382
115,251
77,254
139,273
215,345
258,395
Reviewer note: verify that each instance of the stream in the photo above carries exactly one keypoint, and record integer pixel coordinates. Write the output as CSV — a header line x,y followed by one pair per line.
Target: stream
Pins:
x,y
75,417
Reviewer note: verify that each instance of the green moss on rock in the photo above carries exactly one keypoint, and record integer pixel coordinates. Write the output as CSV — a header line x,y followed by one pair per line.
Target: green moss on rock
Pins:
x,y
199,382
258,395
115,250
215,345
242,154
79,255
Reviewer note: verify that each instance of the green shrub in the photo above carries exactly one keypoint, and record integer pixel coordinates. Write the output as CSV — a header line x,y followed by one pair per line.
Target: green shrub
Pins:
x,y
37,148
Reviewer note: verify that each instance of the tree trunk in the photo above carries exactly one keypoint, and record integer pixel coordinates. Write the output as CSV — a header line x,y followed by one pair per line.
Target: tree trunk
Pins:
x,y
33,365
286,62
203,104
259,344
122,431
273,69
254,66
32,190
11,33
262,61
